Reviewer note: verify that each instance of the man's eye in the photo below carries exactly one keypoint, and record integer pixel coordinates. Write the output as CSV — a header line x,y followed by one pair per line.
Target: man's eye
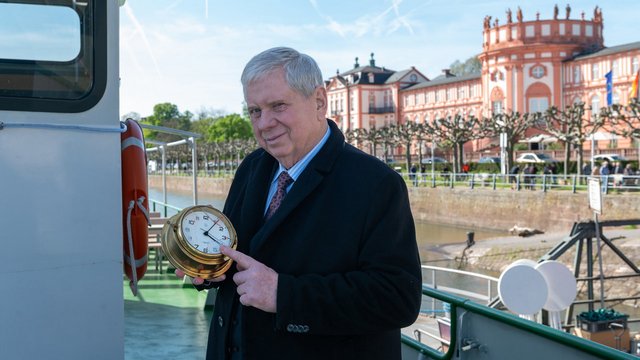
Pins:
x,y
254,113
279,107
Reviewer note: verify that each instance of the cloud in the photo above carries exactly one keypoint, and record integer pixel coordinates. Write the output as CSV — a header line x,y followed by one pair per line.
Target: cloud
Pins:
x,y
387,21
139,30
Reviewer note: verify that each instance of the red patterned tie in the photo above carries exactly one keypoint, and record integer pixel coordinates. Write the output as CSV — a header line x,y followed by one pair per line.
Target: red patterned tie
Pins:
x,y
284,180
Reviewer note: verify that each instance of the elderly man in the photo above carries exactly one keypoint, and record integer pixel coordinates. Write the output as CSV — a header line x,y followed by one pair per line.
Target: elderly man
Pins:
x,y
327,265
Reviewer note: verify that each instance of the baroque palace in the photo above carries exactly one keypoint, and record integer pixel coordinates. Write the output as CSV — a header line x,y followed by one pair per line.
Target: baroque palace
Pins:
x,y
528,65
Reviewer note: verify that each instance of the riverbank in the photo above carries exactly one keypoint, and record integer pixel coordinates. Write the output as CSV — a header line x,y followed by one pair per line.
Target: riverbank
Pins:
x,y
494,255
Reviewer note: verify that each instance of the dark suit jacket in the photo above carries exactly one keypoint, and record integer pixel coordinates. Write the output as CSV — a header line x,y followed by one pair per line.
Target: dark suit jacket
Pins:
x,y
343,243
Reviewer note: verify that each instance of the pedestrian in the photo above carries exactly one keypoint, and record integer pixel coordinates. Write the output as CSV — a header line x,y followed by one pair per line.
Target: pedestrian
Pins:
x,y
513,175
412,174
586,171
334,271
530,176
604,175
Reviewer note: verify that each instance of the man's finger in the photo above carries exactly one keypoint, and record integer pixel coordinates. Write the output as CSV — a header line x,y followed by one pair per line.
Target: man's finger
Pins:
x,y
179,273
241,259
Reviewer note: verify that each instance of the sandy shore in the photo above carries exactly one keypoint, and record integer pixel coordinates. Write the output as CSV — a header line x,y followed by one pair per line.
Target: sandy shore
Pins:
x,y
497,253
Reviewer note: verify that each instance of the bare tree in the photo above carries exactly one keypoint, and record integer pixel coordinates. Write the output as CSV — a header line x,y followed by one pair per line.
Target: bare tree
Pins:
x,y
512,124
406,134
455,132
624,120
570,126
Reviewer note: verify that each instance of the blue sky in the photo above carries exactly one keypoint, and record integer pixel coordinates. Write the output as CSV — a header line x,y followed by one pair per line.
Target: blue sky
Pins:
x,y
191,52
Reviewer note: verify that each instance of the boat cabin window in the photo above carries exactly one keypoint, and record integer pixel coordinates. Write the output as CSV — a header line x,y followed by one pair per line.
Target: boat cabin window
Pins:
x,y
53,54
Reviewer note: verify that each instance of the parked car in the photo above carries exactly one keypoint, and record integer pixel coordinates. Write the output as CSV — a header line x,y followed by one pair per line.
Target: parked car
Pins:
x,y
436,160
539,158
489,160
609,157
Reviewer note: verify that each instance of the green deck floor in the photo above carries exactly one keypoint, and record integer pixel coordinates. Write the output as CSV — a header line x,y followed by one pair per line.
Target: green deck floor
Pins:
x,y
165,320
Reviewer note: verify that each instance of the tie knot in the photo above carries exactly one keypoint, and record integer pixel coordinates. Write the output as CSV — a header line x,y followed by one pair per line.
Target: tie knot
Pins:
x,y
284,180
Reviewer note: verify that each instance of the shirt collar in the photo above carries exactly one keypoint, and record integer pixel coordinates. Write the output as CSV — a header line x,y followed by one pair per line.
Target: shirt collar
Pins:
x,y
299,167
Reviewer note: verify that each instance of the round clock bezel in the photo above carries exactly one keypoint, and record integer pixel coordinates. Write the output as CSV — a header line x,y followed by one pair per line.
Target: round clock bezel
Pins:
x,y
208,258
184,256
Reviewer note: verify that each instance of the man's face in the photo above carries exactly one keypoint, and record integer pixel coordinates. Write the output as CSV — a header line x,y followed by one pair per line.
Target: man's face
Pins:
x,y
285,123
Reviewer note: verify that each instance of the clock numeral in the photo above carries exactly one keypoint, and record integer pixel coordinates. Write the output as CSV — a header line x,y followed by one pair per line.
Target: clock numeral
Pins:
x,y
187,229
192,222
206,217
197,217
206,250
224,237
196,245
220,228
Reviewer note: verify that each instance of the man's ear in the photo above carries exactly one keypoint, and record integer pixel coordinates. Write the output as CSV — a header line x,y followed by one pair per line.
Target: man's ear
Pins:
x,y
321,98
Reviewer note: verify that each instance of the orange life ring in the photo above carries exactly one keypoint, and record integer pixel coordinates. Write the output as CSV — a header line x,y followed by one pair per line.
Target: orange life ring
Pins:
x,y
135,203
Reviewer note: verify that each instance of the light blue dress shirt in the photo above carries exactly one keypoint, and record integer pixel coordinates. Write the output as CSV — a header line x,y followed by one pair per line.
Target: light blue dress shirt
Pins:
x,y
296,169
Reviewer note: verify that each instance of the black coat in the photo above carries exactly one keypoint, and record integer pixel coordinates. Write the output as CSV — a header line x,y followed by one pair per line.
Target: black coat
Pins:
x,y
343,243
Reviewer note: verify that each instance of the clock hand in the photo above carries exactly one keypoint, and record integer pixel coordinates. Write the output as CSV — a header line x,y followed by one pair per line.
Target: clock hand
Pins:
x,y
206,233
214,224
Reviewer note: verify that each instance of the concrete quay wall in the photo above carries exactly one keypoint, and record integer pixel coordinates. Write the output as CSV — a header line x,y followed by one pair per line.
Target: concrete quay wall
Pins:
x,y
503,209
500,209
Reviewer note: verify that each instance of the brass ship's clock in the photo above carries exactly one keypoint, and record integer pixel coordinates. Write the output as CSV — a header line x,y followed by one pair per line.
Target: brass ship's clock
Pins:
x,y
191,241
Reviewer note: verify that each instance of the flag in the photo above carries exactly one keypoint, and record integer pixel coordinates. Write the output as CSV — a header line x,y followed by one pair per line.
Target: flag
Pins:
x,y
609,77
634,87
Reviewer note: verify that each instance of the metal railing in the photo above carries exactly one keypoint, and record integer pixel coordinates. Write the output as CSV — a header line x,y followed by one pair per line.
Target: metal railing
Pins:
x,y
478,287
165,207
477,330
544,182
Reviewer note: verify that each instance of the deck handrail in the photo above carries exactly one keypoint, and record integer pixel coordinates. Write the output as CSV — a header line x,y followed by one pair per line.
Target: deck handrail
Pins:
x,y
462,306
491,283
165,205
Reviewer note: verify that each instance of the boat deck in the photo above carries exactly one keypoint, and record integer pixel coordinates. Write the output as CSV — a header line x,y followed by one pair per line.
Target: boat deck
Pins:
x,y
165,321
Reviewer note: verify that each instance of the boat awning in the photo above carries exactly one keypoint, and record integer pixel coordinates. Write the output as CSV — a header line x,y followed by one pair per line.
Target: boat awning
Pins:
x,y
540,138
601,135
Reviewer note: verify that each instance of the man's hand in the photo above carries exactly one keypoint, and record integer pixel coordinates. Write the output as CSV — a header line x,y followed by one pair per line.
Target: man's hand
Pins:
x,y
197,280
257,283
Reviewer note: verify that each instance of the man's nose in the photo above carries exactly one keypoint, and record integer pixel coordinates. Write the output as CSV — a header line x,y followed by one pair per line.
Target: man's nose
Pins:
x,y
266,119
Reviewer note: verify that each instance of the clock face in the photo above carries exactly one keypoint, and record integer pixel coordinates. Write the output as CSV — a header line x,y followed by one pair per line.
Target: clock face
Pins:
x,y
205,232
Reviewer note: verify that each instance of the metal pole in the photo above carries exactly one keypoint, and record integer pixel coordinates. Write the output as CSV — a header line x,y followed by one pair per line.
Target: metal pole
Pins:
x,y
164,178
433,166
595,219
593,152
194,162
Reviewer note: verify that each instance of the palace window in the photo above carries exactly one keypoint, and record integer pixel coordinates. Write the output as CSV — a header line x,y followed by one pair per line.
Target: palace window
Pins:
x,y
635,64
538,104
595,105
496,106
576,74
595,72
615,67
